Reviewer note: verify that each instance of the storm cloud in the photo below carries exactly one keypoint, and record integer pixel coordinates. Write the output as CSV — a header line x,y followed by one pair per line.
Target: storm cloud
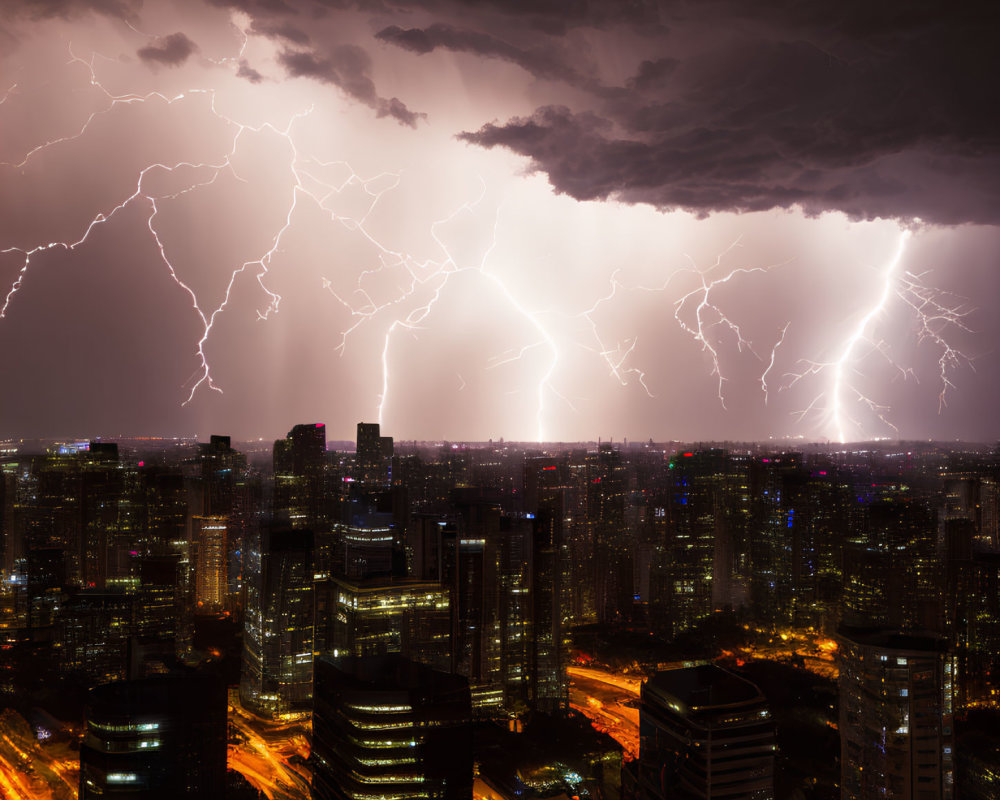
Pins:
x,y
887,110
348,67
873,120
172,50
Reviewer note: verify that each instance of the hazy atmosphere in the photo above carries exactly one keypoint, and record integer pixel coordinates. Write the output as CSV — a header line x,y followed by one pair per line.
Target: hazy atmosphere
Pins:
x,y
533,220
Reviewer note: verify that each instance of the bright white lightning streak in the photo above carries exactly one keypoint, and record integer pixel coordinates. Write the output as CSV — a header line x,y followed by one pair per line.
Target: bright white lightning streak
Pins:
x,y
421,272
708,315
770,364
859,334
207,318
698,329
439,272
615,358
934,314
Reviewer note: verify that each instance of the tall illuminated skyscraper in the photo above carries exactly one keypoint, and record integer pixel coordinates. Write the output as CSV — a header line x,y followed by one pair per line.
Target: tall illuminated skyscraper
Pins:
x,y
896,724
276,677
210,564
387,727
380,616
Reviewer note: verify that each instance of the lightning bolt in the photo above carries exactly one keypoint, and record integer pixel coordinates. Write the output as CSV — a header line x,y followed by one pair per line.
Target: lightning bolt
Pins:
x,y
305,183
207,318
707,315
935,315
770,364
615,357
436,274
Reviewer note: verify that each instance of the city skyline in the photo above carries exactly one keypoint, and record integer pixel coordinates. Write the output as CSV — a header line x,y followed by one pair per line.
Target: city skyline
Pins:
x,y
538,222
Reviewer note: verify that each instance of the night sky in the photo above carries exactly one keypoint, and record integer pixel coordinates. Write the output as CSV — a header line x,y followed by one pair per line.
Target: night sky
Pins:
x,y
530,219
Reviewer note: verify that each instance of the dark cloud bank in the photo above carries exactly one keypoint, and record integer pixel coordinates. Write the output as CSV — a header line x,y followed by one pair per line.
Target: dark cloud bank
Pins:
x,y
888,109
171,50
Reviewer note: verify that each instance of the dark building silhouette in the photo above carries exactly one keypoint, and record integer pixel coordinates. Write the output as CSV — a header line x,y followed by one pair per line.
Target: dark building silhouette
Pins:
x,y
373,458
160,738
704,733
683,573
93,634
300,476
46,580
386,726
548,644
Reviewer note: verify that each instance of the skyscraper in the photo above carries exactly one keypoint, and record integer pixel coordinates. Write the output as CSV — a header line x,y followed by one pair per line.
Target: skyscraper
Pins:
x,y
276,676
380,616
160,738
300,476
704,734
210,571
388,727
895,716
373,457
548,644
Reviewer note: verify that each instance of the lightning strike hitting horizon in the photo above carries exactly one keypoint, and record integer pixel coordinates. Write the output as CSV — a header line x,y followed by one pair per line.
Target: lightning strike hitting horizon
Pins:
x,y
934,315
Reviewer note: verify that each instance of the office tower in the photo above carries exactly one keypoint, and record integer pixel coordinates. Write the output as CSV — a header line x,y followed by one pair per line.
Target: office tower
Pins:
x,y
379,616
683,571
798,521
210,564
373,459
108,504
276,675
895,716
158,622
891,573
9,549
977,631
389,727
425,537
988,518
160,738
610,537
704,733
372,546
469,570
46,582
92,633
221,471
300,476
166,502
548,641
